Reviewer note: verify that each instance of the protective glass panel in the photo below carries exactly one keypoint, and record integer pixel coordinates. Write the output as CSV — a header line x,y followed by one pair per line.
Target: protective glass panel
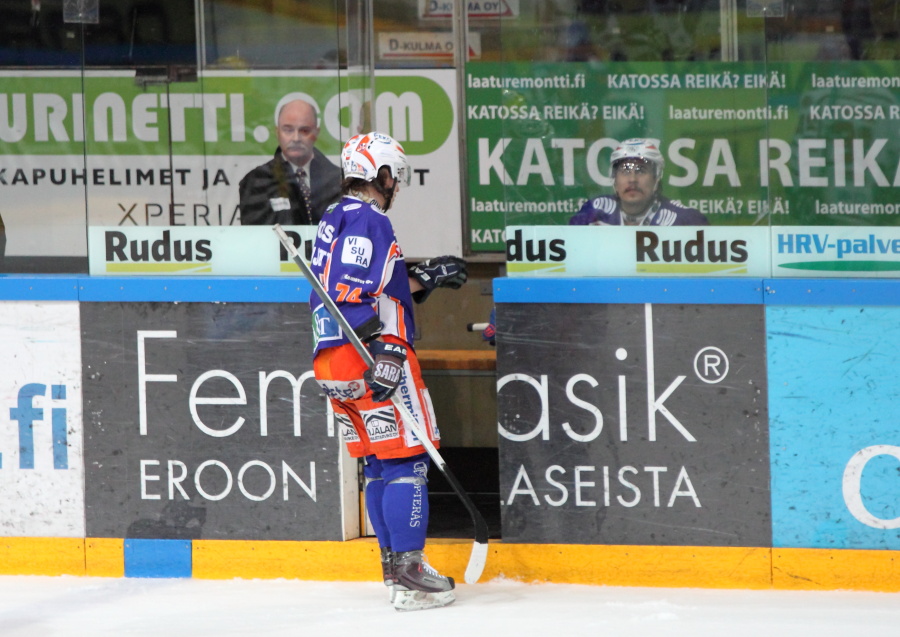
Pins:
x,y
123,120
833,175
549,110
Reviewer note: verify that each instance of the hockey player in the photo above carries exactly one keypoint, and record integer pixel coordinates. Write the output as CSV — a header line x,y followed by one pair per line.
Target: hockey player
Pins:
x,y
361,267
637,166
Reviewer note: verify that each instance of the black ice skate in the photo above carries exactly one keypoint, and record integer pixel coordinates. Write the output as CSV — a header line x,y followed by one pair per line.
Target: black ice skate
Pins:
x,y
418,585
387,570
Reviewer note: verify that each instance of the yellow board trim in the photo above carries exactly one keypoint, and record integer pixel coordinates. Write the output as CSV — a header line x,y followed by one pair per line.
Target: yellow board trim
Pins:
x,y
655,566
41,556
358,560
104,557
827,569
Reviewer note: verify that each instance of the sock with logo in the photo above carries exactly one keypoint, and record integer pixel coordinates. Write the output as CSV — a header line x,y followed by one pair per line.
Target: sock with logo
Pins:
x,y
405,501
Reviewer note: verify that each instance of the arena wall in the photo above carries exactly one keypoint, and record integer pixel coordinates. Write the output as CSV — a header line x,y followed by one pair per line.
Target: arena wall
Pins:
x,y
719,433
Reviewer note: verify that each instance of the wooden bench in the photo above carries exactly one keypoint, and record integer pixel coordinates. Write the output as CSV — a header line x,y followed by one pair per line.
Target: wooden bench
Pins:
x,y
467,360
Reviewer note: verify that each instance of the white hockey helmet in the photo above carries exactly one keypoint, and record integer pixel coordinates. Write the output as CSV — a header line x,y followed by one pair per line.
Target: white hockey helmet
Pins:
x,y
639,148
364,155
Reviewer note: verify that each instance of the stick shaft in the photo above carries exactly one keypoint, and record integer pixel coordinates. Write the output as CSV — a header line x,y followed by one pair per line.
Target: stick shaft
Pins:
x,y
481,530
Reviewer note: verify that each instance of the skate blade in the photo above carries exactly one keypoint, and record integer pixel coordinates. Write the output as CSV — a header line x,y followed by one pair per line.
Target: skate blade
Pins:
x,y
405,601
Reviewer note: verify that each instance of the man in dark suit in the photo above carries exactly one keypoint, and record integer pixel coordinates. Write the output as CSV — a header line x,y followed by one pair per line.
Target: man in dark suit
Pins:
x,y
299,182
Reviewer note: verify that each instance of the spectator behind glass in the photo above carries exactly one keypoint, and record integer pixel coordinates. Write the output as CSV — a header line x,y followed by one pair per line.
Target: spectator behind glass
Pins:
x,y
277,191
637,169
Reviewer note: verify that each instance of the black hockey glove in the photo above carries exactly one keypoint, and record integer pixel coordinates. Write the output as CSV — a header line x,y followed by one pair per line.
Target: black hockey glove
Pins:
x,y
387,370
440,272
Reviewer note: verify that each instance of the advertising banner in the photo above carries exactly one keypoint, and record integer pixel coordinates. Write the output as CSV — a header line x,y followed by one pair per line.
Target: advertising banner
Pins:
x,y
803,144
650,430
835,251
835,439
205,421
626,251
225,251
41,459
475,9
623,251
102,150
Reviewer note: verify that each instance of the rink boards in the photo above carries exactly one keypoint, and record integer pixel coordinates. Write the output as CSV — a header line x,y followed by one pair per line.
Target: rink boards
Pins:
x,y
726,433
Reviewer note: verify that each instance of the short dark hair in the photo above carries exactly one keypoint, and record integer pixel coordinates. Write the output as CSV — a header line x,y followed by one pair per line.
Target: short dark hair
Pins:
x,y
352,184
355,184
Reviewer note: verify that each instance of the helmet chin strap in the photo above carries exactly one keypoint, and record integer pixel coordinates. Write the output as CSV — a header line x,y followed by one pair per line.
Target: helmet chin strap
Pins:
x,y
387,193
389,196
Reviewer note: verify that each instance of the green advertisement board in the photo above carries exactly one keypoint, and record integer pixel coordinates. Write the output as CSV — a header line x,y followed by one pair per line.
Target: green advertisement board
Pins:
x,y
221,114
786,144
104,150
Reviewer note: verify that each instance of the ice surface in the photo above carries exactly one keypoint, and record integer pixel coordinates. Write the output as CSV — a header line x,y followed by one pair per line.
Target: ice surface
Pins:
x,y
32,606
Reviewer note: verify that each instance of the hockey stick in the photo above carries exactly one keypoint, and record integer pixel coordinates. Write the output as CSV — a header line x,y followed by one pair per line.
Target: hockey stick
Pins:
x,y
478,557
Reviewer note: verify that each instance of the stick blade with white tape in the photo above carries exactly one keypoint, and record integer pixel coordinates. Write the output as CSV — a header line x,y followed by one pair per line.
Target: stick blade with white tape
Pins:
x,y
478,557
477,561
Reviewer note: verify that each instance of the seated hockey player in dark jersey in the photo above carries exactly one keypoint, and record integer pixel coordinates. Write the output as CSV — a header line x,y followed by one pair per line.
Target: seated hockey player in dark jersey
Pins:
x,y
636,166
361,266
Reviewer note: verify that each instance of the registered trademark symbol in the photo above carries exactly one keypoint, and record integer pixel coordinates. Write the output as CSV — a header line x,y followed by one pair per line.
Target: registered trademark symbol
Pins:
x,y
711,365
